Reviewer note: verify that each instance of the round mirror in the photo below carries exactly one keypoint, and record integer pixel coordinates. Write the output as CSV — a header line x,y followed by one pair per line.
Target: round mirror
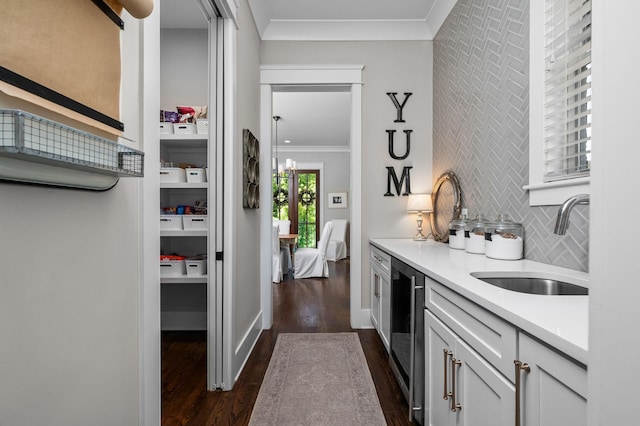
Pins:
x,y
447,198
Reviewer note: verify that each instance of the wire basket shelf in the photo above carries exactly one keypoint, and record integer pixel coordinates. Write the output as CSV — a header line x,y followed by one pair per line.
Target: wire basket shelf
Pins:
x,y
33,138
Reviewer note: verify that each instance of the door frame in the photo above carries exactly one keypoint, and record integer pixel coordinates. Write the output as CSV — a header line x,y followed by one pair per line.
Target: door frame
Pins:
x,y
149,379
272,76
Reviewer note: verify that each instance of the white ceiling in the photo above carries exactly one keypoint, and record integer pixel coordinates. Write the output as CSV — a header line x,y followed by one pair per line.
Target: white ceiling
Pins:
x,y
312,119
319,118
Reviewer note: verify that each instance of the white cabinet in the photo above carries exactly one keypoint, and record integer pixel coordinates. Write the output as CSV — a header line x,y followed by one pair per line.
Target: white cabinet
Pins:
x,y
554,390
385,309
462,388
380,267
471,354
375,298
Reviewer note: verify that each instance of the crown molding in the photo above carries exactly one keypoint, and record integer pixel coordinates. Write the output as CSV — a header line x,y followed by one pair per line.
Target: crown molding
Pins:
x,y
346,30
272,29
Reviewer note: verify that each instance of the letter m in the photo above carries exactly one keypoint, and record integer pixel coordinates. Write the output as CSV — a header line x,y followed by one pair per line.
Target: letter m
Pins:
x,y
397,184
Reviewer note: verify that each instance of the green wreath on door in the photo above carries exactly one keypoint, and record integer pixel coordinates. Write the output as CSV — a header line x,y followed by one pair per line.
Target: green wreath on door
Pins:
x,y
307,197
281,197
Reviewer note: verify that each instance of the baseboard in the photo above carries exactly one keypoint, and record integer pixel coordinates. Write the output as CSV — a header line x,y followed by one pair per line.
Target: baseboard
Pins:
x,y
248,342
361,318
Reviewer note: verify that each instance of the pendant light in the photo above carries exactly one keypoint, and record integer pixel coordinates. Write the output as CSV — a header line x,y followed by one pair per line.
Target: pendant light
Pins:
x,y
289,167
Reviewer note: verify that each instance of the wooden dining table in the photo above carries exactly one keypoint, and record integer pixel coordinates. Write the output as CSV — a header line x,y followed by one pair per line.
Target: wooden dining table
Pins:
x,y
290,240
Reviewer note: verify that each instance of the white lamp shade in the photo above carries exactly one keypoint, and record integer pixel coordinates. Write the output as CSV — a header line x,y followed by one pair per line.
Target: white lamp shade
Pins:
x,y
419,203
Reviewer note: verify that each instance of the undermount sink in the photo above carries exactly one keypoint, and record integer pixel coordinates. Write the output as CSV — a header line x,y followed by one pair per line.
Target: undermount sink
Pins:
x,y
532,284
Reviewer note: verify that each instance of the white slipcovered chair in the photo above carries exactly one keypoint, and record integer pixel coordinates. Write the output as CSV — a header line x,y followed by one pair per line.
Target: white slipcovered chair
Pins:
x,y
276,259
337,247
285,227
312,262
285,250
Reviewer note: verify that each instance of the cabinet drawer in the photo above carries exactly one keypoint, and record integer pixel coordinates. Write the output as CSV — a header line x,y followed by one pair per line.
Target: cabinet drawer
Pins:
x,y
381,259
492,337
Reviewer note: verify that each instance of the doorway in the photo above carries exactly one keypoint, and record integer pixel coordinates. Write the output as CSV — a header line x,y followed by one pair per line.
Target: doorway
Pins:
x,y
321,77
190,38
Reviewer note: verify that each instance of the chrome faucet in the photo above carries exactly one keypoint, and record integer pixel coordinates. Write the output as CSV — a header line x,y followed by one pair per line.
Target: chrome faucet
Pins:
x,y
562,222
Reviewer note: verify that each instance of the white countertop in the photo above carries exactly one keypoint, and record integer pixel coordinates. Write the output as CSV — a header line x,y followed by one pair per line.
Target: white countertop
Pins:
x,y
560,321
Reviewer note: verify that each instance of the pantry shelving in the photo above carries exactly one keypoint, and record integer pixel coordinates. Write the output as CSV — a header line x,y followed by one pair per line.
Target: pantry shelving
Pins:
x,y
184,293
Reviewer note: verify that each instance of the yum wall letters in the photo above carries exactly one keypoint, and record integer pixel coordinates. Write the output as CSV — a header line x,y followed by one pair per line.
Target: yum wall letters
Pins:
x,y
392,177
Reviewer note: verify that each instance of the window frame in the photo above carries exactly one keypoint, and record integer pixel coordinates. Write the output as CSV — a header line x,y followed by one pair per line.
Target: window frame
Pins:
x,y
541,192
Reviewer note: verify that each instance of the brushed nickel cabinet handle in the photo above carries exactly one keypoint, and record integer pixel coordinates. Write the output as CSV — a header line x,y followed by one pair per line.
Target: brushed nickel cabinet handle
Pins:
x,y
454,406
446,353
519,367
376,285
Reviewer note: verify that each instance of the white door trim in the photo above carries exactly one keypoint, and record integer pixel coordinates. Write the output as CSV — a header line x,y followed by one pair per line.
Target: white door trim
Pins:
x,y
338,75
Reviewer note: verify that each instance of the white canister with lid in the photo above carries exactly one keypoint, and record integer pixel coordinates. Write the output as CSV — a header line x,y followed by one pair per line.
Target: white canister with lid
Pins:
x,y
504,239
456,231
474,241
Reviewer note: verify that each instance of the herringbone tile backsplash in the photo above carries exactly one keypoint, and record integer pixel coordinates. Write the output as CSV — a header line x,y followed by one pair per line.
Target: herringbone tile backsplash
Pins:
x,y
481,124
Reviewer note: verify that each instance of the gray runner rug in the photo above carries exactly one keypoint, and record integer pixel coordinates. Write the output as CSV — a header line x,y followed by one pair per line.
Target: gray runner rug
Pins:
x,y
317,379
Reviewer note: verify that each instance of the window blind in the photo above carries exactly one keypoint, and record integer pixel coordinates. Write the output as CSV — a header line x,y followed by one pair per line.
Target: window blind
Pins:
x,y
567,115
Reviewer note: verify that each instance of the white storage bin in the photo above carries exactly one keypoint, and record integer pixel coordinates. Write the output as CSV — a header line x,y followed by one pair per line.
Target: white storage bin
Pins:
x,y
195,222
195,175
172,268
170,222
202,127
166,128
184,128
172,175
196,267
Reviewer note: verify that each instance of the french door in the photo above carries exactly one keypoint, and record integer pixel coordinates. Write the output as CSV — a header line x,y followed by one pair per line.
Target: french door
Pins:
x,y
295,197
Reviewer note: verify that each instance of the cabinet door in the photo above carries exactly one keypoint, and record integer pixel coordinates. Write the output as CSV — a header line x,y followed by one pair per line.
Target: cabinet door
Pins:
x,y
375,298
486,397
439,348
384,287
555,390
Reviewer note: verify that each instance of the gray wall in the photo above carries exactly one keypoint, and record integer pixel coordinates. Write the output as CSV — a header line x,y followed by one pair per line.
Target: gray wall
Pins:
x,y
481,124
246,286
185,65
391,66
69,291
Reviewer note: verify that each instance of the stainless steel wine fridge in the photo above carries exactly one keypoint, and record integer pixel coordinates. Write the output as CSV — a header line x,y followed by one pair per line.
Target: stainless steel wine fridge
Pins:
x,y
407,335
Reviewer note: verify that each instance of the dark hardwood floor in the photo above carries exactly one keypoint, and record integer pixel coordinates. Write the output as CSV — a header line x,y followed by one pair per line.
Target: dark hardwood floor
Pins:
x,y
299,306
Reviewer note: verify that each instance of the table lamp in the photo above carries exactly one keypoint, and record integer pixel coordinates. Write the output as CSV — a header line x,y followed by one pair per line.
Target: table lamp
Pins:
x,y
419,203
